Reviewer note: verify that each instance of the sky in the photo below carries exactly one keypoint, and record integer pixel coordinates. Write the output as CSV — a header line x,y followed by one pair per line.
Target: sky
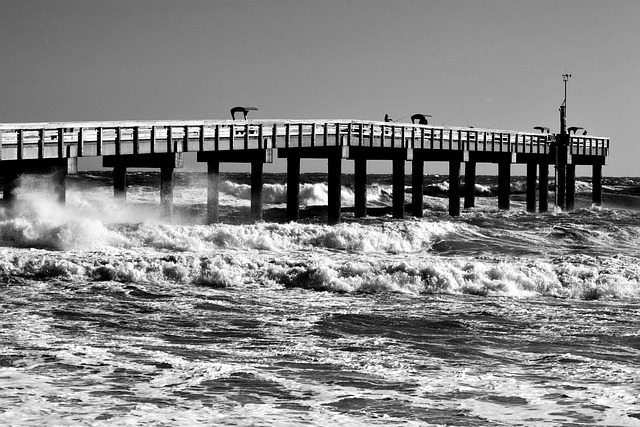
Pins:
x,y
482,63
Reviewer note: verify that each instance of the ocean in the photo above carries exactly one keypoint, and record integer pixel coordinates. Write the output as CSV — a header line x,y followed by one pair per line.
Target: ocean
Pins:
x,y
114,315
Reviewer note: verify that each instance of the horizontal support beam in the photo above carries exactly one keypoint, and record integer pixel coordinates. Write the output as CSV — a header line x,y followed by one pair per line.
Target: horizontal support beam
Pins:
x,y
156,160
314,152
35,166
380,153
237,156
578,159
438,155
483,157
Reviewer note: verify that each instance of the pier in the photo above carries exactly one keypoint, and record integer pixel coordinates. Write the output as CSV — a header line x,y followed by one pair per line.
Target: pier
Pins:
x,y
54,148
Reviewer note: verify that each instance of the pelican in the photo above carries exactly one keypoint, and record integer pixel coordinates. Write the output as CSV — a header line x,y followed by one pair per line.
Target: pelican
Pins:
x,y
243,110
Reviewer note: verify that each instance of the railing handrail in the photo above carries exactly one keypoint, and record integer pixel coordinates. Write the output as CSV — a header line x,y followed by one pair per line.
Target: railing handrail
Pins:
x,y
265,122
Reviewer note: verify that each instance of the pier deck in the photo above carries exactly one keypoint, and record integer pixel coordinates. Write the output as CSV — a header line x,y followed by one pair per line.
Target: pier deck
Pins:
x,y
47,147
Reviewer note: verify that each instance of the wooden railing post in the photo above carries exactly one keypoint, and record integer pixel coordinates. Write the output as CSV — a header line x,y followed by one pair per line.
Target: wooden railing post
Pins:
x,y
185,140
60,143
118,139
152,139
201,138
20,148
169,139
99,141
80,142
136,140
300,131
41,144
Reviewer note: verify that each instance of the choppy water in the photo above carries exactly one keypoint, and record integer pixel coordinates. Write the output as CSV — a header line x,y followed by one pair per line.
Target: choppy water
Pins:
x,y
113,315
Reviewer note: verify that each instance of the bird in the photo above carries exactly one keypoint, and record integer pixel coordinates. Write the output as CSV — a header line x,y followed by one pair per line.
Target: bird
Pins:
x,y
387,118
243,110
421,118
574,129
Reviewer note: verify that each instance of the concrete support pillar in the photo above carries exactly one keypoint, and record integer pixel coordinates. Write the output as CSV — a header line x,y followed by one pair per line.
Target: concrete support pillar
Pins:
x,y
398,187
571,187
120,182
213,192
10,181
417,187
293,188
166,189
59,178
561,186
543,187
596,184
335,189
55,171
532,169
469,184
72,166
360,187
504,184
454,187
257,183
562,158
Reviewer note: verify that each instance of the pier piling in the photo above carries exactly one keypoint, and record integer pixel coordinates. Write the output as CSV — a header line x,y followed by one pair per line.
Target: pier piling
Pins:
x,y
213,192
596,184
166,189
398,187
293,188
531,187
335,189
504,184
257,185
571,186
469,184
57,169
166,162
543,188
454,188
360,187
120,182
417,187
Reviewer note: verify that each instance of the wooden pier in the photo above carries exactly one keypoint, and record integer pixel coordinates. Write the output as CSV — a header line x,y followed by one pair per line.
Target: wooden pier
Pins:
x,y
53,148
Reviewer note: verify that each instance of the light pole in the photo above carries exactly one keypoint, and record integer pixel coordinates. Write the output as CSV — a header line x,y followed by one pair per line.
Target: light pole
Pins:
x,y
563,107
561,149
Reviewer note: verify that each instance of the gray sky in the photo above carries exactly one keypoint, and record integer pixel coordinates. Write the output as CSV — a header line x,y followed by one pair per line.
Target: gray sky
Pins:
x,y
485,63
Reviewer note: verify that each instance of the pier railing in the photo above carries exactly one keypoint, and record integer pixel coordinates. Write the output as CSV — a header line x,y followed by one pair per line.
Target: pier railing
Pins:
x,y
79,139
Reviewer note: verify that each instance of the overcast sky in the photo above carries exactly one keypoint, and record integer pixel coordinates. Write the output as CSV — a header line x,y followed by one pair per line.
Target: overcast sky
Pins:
x,y
485,63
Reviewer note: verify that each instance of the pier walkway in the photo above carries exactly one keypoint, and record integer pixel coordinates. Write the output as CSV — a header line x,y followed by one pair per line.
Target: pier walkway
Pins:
x,y
53,148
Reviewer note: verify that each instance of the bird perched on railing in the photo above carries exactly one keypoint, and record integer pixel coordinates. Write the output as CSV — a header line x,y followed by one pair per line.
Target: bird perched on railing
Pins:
x,y
574,129
420,118
243,110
